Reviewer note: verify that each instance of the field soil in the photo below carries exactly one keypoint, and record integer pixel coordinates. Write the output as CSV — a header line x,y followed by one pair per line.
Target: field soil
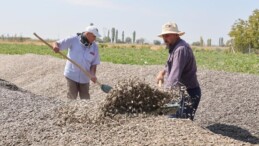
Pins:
x,y
35,111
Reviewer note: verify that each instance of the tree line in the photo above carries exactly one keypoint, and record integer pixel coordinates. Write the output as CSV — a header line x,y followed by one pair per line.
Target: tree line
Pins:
x,y
244,35
209,42
112,36
14,37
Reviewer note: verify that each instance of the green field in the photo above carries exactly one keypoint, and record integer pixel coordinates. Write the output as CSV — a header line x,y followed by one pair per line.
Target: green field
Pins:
x,y
216,60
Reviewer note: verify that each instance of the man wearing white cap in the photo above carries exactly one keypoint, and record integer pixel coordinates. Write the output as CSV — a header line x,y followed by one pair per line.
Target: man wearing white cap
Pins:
x,y
83,50
180,68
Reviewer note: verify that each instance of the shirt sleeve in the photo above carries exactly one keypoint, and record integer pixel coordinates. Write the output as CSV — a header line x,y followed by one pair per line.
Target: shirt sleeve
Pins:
x,y
178,65
96,59
65,43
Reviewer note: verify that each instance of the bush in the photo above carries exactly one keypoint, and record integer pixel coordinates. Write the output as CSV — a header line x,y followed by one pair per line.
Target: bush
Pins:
x,y
103,45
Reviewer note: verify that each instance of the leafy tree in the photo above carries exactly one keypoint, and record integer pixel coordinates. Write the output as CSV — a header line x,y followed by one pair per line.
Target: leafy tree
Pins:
x,y
201,41
134,37
221,42
128,40
113,34
196,44
228,43
122,37
253,29
157,42
116,36
209,42
109,35
245,34
119,41
106,39
2,37
240,36
140,41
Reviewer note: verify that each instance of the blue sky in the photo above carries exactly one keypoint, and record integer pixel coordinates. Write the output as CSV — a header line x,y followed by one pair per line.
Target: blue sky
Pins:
x,y
56,19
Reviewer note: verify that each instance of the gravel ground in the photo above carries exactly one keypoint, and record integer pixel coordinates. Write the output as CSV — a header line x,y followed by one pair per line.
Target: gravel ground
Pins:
x,y
35,111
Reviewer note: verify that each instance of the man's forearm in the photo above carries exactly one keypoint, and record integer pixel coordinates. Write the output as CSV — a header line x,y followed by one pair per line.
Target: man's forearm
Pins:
x,y
93,69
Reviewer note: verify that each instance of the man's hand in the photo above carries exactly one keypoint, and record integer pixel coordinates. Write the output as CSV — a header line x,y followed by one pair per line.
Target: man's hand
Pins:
x,y
94,79
160,77
55,47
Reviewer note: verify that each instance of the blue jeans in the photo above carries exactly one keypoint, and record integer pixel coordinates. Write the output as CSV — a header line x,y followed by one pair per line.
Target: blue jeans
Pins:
x,y
189,111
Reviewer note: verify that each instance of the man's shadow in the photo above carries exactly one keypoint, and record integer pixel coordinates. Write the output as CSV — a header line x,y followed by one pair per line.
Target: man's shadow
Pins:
x,y
234,132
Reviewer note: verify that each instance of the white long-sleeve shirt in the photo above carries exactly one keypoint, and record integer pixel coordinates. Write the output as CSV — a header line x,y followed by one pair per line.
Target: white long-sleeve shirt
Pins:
x,y
85,56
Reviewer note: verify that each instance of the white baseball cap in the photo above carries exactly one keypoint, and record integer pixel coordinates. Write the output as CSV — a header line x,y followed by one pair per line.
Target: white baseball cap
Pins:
x,y
92,30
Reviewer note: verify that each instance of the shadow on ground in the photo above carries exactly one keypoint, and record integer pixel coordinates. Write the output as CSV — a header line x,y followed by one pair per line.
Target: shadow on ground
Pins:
x,y
234,132
8,85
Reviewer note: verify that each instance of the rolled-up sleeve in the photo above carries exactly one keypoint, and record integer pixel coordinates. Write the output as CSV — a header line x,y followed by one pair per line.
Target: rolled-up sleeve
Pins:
x,y
65,43
96,59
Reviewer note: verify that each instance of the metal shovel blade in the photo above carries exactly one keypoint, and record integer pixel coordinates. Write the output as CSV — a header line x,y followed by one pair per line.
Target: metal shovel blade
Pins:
x,y
106,88
172,105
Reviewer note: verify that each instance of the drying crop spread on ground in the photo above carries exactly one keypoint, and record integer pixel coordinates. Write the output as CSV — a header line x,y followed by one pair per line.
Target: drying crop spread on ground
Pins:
x,y
35,111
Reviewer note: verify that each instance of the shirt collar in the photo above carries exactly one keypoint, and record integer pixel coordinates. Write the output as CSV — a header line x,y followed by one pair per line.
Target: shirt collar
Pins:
x,y
84,41
172,46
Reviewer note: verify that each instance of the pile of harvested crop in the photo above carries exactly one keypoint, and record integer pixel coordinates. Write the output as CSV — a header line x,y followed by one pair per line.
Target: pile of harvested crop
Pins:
x,y
133,96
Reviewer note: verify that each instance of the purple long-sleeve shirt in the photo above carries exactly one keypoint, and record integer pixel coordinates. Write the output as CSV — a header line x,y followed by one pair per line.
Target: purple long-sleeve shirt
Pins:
x,y
181,66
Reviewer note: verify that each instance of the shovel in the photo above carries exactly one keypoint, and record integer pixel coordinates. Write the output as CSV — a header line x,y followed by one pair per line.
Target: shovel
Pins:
x,y
105,88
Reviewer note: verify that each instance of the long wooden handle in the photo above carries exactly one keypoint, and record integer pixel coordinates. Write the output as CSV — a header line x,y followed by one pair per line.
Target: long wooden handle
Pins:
x,y
160,83
76,64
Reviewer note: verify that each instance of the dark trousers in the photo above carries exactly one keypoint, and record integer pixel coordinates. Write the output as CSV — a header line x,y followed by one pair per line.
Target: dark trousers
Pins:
x,y
189,110
74,88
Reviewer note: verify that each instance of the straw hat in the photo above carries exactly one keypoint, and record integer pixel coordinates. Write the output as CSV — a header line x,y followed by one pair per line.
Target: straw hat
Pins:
x,y
170,28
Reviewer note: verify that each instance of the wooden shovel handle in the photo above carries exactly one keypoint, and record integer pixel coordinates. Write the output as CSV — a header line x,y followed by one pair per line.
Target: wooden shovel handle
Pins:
x,y
76,64
160,83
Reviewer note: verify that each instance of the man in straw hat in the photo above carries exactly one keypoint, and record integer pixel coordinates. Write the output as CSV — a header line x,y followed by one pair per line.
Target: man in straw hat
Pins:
x,y
180,68
84,51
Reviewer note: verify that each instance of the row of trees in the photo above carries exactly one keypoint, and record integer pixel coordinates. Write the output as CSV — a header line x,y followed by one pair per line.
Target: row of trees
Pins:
x,y
14,37
202,43
114,38
245,33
